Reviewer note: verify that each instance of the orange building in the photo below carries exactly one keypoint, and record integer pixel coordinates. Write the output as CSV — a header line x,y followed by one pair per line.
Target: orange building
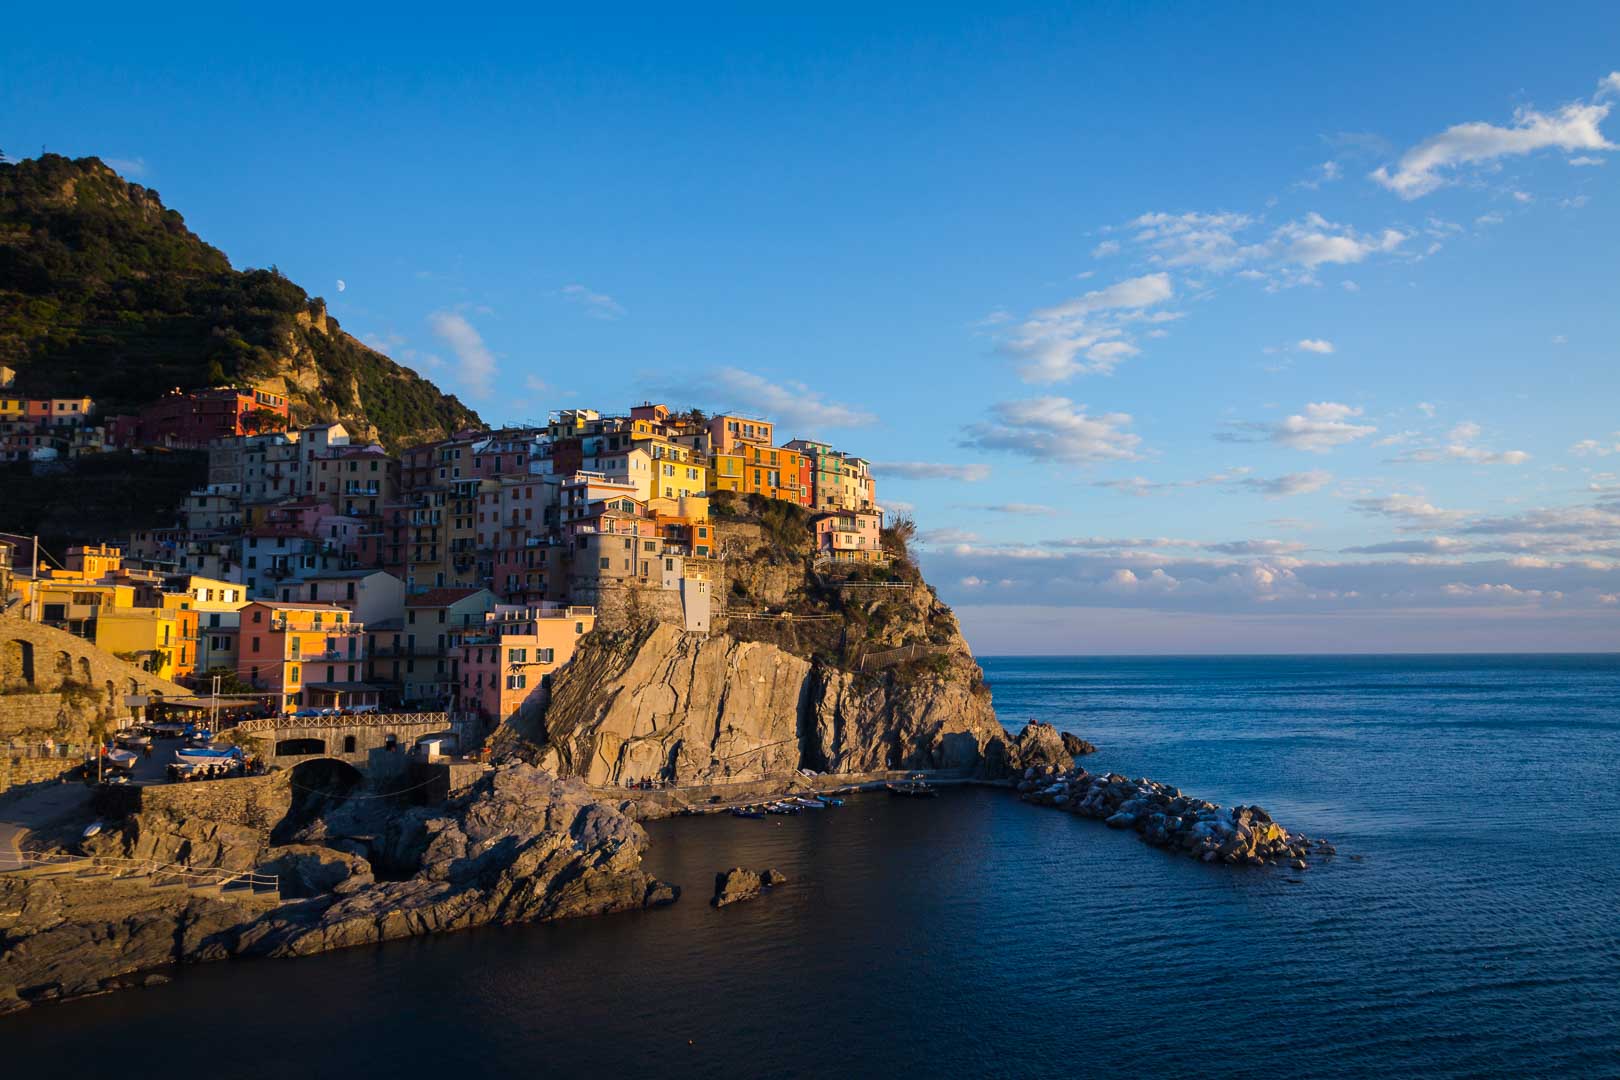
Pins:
x,y
775,472
308,654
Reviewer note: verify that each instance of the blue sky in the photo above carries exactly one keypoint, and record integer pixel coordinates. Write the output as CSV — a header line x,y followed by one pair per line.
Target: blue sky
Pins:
x,y
1177,329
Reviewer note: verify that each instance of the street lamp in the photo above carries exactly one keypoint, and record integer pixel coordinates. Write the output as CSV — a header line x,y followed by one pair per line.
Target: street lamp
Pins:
x,y
213,706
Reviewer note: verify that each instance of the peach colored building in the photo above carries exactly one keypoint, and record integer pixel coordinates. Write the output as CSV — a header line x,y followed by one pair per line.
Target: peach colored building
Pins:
x,y
308,654
507,665
851,536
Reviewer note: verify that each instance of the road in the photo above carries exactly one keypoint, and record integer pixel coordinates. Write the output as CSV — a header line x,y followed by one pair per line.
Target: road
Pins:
x,y
51,804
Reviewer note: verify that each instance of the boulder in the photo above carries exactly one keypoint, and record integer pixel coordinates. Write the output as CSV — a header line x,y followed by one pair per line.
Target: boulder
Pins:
x,y
1076,746
307,870
735,885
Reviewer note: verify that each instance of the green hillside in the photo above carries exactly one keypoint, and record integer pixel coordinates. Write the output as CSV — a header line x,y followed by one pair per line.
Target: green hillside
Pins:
x,y
105,292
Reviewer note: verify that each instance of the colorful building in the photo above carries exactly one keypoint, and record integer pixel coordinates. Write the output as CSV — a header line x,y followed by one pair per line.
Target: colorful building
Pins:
x,y
161,639
506,667
308,655
851,536
194,419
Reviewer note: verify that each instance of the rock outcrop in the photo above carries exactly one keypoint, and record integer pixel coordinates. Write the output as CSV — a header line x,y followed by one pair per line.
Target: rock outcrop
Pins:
x,y
739,884
1165,817
662,703
519,845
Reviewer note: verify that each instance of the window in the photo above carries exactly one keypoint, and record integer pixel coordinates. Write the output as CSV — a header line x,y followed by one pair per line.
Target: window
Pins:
x,y
292,673
579,628
517,656
517,682
348,744
604,562
545,656
258,613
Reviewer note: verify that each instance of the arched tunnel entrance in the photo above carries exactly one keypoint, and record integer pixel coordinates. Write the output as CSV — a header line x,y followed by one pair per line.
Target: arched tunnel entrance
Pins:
x,y
296,747
319,787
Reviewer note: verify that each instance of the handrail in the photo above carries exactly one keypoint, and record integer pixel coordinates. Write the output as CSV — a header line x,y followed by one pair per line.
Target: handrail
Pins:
x,y
211,874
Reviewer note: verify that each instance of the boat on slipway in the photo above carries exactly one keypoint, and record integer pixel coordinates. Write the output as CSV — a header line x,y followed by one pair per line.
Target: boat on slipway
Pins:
x,y
202,755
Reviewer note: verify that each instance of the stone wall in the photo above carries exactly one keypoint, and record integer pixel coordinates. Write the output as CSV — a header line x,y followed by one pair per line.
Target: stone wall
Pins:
x,y
21,771
36,660
258,802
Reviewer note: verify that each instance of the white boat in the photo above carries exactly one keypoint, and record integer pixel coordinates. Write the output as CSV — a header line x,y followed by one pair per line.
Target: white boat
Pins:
x,y
122,759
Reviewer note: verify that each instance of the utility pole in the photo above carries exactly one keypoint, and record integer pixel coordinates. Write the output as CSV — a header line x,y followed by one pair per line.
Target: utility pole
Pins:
x,y
35,604
213,707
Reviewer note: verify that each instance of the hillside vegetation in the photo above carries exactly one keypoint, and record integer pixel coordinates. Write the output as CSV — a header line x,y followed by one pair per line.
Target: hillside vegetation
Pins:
x,y
105,292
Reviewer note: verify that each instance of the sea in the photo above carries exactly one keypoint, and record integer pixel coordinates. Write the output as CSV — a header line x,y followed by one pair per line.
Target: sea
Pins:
x,y
1469,927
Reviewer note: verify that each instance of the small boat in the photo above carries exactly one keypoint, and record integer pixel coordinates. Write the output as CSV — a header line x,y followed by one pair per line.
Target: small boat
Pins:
x,y
122,759
199,755
832,800
810,804
747,811
782,808
914,787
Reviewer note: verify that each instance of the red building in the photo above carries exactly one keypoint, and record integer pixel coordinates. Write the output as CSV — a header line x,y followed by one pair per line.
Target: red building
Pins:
x,y
192,419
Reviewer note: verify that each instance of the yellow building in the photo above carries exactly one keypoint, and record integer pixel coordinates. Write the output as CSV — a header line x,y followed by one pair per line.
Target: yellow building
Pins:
x,y
161,639
726,472
675,472
12,408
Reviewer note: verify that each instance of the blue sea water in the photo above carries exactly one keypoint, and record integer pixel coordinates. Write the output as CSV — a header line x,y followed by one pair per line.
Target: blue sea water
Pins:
x,y
1478,934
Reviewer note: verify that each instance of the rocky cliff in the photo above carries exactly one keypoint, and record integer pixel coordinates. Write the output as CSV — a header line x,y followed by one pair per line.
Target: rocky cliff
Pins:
x,y
105,292
841,670
656,702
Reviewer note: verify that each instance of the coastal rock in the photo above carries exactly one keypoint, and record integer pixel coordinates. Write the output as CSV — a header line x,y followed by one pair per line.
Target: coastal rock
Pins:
x,y
739,883
1076,746
518,845
1040,744
308,870
735,885
1163,816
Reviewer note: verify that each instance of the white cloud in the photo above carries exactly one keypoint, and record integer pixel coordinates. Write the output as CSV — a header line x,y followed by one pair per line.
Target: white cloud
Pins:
x,y
1314,241
1434,162
1104,249
597,305
1021,508
1315,345
792,404
1207,241
1408,508
1318,429
947,536
1460,446
1594,448
1426,408
477,368
1086,334
1434,545
1054,429
1587,161
1289,484
933,470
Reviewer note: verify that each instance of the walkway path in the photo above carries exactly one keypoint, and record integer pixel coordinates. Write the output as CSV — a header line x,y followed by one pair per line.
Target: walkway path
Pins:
x,y
49,804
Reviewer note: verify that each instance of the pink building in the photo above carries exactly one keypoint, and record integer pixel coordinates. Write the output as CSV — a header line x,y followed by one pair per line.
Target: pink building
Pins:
x,y
507,665
851,536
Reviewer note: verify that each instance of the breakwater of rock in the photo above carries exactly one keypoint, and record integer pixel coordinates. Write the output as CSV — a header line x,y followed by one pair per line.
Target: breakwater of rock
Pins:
x,y
1165,817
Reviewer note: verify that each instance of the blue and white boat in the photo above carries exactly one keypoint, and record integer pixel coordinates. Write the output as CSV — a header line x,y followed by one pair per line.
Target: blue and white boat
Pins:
x,y
202,755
